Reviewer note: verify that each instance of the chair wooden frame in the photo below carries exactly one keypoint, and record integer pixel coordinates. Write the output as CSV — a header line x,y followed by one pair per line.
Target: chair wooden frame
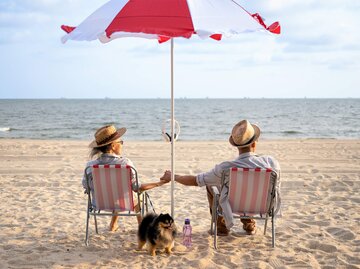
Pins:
x,y
111,186
252,194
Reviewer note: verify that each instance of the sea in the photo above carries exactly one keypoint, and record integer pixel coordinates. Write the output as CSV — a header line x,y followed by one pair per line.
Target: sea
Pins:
x,y
198,119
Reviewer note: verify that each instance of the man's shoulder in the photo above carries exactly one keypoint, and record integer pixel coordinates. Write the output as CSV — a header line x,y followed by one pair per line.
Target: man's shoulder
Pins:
x,y
227,164
270,161
266,157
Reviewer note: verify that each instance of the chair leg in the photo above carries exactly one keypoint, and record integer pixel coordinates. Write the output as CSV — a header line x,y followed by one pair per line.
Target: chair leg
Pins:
x,y
87,228
215,231
146,204
96,227
212,224
143,202
212,219
215,216
266,220
273,228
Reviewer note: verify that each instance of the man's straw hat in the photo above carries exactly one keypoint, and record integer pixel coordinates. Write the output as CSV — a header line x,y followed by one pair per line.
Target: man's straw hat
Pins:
x,y
106,135
243,134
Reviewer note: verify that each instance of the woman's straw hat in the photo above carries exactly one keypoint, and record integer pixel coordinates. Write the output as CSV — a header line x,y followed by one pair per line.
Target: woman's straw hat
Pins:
x,y
243,134
106,135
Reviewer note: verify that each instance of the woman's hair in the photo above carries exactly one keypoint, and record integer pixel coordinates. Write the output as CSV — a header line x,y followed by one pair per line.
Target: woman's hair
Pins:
x,y
95,152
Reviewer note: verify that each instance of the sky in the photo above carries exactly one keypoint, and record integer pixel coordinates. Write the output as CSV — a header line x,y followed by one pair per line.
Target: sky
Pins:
x,y
317,55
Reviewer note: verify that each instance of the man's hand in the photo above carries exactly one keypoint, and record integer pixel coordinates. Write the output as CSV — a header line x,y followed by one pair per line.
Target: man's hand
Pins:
x,y
166,177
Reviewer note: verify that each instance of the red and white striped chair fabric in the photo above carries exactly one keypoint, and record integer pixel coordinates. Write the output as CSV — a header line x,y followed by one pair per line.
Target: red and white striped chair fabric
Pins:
x,y
251,195
112,187
249,190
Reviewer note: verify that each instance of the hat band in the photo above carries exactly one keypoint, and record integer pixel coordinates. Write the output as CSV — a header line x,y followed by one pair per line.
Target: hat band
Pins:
x,y
106,139
248,142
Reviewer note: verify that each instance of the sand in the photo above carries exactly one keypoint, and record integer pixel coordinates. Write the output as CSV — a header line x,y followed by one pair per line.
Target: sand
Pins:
x,y
42,208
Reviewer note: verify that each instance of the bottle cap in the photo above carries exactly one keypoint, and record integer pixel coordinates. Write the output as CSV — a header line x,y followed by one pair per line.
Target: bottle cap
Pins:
x,y
187,221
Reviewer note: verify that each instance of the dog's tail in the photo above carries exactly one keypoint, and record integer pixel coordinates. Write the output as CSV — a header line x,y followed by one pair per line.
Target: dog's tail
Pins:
x,y
144,225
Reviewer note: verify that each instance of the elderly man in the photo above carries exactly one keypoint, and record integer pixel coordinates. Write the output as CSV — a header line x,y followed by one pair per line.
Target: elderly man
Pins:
x,y
244,137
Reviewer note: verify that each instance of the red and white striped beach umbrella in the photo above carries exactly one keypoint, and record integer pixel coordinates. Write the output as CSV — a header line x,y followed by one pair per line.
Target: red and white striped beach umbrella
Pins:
x,y
164,20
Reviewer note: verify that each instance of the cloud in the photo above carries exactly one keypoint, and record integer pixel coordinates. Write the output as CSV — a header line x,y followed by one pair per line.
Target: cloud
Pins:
x,y
39,21
313,23
18,20
48,6
318,37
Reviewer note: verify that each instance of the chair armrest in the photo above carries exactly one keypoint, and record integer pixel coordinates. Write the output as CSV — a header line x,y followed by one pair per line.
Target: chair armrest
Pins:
x,y
216,198
214,212
215,191
215,205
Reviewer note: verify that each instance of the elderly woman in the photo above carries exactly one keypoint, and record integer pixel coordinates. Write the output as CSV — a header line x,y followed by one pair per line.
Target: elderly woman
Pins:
x,y
107,148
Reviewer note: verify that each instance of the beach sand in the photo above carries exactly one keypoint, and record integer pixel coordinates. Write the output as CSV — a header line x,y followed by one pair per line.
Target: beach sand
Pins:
x,y
43,207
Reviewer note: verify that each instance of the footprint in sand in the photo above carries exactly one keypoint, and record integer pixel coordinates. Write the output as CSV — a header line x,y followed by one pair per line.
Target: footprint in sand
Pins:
x,y
324,247
276,263
355,200
8,247
341,234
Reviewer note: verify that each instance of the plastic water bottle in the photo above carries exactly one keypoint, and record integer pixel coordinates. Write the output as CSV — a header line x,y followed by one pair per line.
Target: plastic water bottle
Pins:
x,y
187,230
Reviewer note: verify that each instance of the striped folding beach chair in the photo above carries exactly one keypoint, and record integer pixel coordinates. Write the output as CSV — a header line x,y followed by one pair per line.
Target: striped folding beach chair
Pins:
x,y
251,195
111,192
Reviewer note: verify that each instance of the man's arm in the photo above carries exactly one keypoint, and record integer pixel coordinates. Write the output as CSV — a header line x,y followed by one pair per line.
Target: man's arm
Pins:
x,y
187,180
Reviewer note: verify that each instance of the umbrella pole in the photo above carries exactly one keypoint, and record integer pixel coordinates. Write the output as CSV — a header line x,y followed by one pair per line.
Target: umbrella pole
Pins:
x,y
172,129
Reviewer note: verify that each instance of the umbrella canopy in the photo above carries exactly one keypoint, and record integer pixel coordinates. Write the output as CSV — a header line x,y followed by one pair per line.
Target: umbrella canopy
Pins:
x,y
164,20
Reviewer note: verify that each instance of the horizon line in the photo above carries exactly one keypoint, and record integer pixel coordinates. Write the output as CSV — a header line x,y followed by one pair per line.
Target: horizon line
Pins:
x,y
166,98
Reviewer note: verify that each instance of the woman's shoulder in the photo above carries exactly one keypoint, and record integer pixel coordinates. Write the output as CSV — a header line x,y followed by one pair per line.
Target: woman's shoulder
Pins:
x,y
127,161
91,162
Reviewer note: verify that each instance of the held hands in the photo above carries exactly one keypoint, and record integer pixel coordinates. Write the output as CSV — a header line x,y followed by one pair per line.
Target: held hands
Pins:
x,y
188,180
166,178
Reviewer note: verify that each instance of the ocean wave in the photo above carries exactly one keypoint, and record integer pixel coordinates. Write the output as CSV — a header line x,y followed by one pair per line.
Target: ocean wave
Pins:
x,y
5,129
291,132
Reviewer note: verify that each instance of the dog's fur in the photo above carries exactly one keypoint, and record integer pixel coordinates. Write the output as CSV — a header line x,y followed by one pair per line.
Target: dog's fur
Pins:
x,y
158,231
